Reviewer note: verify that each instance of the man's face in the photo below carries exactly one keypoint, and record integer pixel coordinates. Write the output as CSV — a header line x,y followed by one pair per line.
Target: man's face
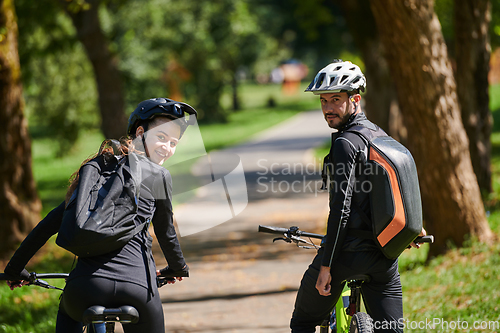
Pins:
x,y
337,108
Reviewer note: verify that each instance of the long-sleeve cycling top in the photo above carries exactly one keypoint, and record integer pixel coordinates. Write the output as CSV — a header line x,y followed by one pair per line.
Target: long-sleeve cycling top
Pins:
x,y
348,188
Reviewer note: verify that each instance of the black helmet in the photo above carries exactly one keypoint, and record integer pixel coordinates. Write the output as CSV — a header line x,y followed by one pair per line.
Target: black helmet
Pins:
x,y
169,108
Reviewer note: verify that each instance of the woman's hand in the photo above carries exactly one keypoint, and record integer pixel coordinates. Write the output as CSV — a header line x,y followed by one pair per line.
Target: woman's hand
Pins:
x,y
22,278
16,284
170,280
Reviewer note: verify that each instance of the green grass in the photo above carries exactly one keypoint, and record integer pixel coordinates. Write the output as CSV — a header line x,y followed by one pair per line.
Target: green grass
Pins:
x,y
462,285
33,309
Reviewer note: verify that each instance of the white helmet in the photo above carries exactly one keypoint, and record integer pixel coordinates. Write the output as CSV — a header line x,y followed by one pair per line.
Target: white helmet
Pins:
x,y
339,76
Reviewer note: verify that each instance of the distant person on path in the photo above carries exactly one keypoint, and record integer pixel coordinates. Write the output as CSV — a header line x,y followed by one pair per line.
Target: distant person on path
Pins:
x,y
126,276
343,254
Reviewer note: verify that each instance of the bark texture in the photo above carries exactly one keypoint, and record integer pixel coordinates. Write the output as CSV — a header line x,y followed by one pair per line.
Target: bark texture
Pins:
x,y
19,203
417,57
380,92
472,19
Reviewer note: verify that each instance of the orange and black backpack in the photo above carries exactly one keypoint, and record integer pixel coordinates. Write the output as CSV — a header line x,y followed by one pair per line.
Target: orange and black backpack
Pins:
x,y
396,207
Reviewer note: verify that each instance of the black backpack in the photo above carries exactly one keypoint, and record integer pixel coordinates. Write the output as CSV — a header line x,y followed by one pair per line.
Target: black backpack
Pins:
x,y
100,216
396,207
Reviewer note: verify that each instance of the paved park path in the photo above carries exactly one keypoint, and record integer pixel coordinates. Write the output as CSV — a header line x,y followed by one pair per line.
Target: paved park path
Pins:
x,y
240,281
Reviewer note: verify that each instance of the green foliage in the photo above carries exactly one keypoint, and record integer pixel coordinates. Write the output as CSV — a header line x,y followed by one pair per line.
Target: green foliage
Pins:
x,y
198,44
59,89
52,172
495,24
312,15
195,47
444,11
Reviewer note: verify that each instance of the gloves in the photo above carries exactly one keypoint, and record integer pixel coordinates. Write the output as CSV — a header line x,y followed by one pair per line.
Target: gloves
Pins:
x,y
16,274
170,273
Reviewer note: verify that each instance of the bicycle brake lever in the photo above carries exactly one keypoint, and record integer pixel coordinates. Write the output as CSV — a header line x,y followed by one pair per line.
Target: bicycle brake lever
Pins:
x,y
288,240
44,284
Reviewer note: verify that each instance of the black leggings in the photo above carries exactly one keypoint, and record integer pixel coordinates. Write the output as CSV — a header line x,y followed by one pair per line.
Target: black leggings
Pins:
x,y
83,292
382,296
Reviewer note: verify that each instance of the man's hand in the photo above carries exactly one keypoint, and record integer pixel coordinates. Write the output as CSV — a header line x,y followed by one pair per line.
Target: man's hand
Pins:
x,y
417,245
323,282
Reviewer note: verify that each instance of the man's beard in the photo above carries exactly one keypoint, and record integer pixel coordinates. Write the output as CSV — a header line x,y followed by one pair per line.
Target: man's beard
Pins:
x,y
343,120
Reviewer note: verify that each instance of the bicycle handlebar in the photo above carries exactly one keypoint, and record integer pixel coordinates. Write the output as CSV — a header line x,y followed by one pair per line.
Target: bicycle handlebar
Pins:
x,y
293,231
424,239
36,279
36,276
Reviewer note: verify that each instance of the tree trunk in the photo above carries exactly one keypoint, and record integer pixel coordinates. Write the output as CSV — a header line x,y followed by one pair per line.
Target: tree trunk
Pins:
x,y
85,18
19,203
380,92
472,19
418,60
234,90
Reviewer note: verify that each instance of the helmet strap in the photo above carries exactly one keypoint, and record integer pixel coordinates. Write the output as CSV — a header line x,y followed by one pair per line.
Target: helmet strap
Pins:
x,y
144,144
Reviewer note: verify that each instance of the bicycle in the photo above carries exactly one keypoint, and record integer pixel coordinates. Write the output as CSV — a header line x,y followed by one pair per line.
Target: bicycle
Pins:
x,y
103,319
345,317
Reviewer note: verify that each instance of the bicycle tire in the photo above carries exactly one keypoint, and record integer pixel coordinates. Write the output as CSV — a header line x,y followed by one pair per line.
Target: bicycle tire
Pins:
x,y
361,323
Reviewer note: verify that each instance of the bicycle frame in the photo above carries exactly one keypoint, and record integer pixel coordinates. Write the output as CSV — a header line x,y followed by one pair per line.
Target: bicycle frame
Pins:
x,y
340,317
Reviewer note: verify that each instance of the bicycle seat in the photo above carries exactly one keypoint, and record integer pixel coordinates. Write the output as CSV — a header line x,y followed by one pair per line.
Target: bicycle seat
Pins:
x,y
359,277
99,314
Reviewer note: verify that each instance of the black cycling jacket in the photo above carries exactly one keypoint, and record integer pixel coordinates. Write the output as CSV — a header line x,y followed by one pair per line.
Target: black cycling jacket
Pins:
x,y
129,262
348,187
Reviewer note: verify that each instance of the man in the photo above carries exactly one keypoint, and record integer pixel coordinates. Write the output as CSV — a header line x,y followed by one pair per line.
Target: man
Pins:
x,y
343,252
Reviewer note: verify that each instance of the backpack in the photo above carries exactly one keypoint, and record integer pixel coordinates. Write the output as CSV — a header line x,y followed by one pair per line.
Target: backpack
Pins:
x,y
100,215
396,207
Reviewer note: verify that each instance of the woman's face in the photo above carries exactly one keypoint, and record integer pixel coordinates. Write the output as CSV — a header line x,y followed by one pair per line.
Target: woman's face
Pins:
x,y
161,139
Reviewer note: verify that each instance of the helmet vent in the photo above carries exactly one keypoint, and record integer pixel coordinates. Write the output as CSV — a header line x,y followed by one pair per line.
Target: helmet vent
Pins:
x,y
338,76
320,80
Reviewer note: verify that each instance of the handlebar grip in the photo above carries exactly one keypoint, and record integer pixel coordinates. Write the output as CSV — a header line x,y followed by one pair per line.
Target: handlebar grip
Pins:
x,y
424,239
272,230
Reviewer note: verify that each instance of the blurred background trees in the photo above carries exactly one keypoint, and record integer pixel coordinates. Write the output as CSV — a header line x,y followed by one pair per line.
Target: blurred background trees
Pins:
x,y
20,206
85,64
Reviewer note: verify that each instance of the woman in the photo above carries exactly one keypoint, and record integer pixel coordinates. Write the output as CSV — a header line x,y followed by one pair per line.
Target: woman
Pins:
x,y
126,276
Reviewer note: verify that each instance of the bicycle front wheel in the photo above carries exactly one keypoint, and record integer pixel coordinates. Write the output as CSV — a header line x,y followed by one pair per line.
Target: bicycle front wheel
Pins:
x,y
361,323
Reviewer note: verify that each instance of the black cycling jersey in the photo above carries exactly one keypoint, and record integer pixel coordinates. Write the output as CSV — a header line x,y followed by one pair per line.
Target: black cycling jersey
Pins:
x,y
348,188
349,255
